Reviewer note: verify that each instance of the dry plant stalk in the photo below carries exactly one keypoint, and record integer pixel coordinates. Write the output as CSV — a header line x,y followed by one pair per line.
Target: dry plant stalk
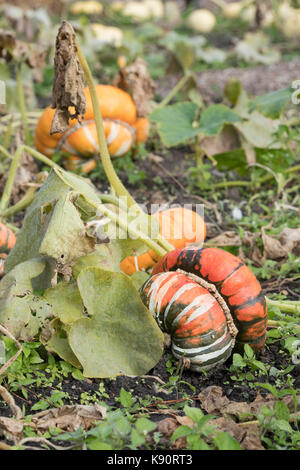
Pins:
x,y
68,85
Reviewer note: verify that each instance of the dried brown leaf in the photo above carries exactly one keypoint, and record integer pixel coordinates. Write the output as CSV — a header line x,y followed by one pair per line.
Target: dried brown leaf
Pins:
x,y
12,428
135,79
69,417
68,86
212,399
290,240
224,142
241,411
273,249
167,426
229,238
33,55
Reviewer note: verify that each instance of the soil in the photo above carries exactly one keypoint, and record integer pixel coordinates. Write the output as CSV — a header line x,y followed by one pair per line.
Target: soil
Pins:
x,y
255,80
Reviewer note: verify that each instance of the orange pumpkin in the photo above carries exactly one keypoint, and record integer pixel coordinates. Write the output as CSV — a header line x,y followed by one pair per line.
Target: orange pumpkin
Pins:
x,y
180,226
121,126
7,238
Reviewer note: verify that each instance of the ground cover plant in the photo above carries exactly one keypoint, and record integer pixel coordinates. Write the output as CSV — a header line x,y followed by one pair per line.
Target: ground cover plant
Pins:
x,y
116,333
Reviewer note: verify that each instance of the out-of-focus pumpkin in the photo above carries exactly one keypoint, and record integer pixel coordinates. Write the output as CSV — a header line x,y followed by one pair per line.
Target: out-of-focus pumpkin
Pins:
x,y
123,129
180,226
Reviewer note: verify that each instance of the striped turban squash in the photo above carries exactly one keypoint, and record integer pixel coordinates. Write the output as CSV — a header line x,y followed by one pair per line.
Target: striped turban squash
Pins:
x,y
192,316
233,280
123,129
7,239
180,226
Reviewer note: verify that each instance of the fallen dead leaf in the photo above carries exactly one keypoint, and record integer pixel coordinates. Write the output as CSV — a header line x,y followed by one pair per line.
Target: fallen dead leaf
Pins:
x,y
167,427
11,428
290,240
224,142
212,399
229,238
69,417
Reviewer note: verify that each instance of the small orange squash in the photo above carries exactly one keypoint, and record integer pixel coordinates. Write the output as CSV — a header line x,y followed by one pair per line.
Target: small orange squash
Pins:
x,y
121,126
180,226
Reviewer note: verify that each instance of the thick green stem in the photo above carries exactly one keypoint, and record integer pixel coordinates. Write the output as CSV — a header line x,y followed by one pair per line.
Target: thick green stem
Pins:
x,y
113,178
174,91
21,204
285,306
22,102
10,180
8,132
230,184
131,230
5,152
104,153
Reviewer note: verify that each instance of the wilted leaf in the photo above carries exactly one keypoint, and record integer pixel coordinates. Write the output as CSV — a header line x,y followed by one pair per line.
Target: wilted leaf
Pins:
x,y
53,226
256,48
259,130
22,313
290,240
120,337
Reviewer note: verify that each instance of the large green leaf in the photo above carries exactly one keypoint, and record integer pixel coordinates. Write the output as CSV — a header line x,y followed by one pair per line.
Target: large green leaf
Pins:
x,y
175,123
65,238
214,118
59,344
21,312
66,302
120,337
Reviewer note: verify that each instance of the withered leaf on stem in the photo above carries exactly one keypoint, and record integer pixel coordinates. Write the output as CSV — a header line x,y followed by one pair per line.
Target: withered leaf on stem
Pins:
x,y
68,86
135,79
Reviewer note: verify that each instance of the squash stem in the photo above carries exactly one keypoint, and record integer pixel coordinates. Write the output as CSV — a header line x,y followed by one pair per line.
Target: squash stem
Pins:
x,y
104,154
113,178
8,133
5,152
285,306
22,102
174,91
10,180
21,204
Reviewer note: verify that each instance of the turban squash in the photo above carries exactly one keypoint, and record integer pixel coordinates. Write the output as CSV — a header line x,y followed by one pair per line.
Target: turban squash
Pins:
x,y
7,242
187,311
123,129
7,238
180,226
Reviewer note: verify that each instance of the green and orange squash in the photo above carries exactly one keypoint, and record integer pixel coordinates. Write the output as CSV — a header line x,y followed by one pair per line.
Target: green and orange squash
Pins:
x,y
179,307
